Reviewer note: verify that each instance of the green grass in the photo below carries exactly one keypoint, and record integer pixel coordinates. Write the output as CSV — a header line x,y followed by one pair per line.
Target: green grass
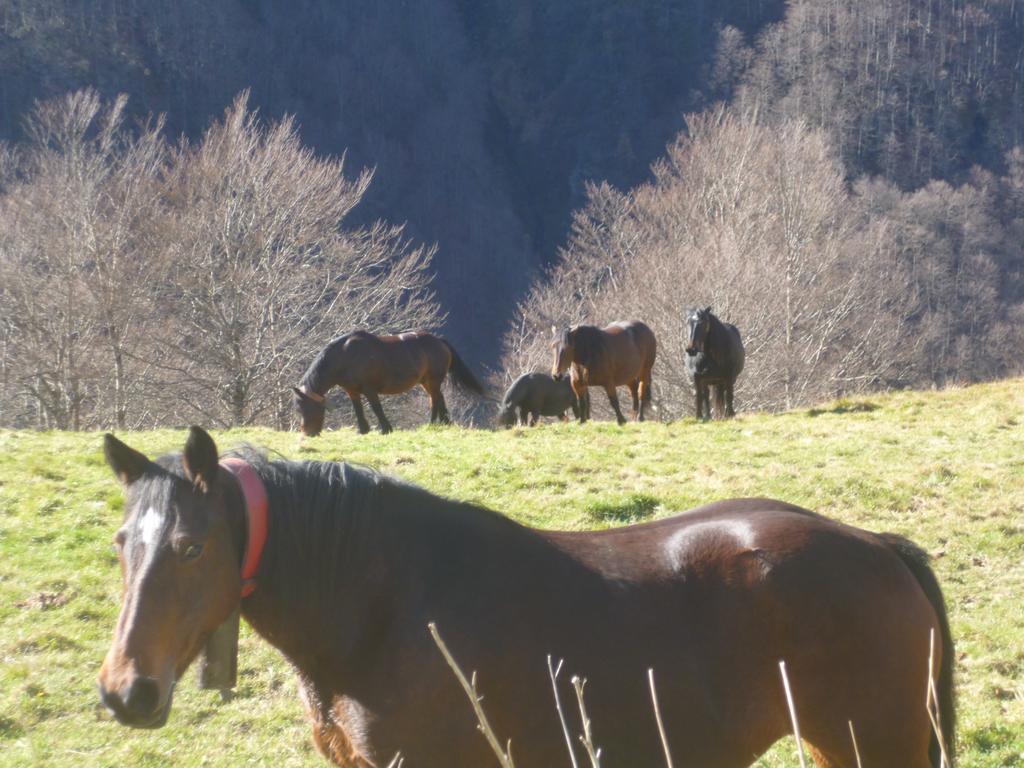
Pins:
x,y
945,468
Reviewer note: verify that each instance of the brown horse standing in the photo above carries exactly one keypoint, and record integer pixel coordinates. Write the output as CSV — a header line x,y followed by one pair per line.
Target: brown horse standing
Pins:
x,y
355,565
363,363
621,353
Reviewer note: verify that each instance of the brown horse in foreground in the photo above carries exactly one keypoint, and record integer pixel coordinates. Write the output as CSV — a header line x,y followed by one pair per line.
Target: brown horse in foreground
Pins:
x,y
620,354
355,565
363,363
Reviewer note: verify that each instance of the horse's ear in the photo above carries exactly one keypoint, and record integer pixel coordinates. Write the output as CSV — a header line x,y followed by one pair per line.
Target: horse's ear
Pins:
x,y
200,458
708,310
128,464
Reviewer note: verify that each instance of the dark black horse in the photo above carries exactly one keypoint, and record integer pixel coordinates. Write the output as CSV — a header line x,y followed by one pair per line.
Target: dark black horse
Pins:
x,y
714,358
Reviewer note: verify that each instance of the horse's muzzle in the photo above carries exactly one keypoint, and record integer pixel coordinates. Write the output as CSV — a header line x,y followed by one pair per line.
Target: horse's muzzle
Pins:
x,y
140,705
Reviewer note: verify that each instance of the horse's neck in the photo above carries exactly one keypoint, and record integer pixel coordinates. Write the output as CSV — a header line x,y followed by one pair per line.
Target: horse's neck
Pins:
x,y
408,530
593,342
319,378
305,602
717,338
322,374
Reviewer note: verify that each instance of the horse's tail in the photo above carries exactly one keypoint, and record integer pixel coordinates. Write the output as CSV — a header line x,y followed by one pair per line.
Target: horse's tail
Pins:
x,y
462,377
916,559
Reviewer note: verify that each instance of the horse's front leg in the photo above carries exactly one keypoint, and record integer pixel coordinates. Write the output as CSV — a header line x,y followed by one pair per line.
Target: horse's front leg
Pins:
x,y
613,398
584,399
698,400
378,411
704,402
357,405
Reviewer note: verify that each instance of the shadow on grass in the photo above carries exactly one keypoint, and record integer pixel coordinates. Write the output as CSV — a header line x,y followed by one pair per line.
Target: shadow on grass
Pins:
x,y
845,406
631,509
10,729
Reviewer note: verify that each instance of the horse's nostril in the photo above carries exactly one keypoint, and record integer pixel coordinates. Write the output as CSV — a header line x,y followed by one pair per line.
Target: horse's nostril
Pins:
x,y
111,700
143,697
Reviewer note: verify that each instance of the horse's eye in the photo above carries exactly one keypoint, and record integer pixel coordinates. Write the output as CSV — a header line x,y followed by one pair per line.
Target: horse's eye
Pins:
x,y
192,551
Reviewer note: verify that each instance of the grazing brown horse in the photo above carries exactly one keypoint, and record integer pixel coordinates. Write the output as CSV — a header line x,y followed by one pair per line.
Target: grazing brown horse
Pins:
x,y
621,353
355,565
363,363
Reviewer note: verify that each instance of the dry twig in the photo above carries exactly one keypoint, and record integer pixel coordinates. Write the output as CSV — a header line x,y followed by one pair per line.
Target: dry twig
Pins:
x,y
932,703
587,737
792,714
469,686
853,738
553,674
657,716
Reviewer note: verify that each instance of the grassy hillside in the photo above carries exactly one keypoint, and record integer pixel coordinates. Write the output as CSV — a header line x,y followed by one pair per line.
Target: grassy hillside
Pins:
x,y
945,468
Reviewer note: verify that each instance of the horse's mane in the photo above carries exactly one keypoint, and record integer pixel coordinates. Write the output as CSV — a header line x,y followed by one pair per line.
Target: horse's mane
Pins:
x,y
588,345
313,377
324,515
319,513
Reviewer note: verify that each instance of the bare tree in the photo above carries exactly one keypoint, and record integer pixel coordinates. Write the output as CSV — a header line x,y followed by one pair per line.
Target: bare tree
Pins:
x,y
47,222
78,217
262,271
755,222
146,285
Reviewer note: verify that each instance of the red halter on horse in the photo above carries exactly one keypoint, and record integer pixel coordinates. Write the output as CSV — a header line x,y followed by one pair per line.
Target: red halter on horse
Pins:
x,y
355,566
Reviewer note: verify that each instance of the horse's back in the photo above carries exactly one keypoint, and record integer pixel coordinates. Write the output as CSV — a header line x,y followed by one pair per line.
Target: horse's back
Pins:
x,y
633,346
522,387
640,333
715,534
645,340
391,363
711,599
745,583
796,573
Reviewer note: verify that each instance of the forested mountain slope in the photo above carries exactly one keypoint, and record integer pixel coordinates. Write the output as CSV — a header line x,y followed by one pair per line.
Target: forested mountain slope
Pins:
x,y
485,120
483,123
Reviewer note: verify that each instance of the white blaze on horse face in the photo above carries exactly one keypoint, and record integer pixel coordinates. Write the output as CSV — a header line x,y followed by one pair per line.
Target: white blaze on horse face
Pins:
x,y
681,544
149,527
